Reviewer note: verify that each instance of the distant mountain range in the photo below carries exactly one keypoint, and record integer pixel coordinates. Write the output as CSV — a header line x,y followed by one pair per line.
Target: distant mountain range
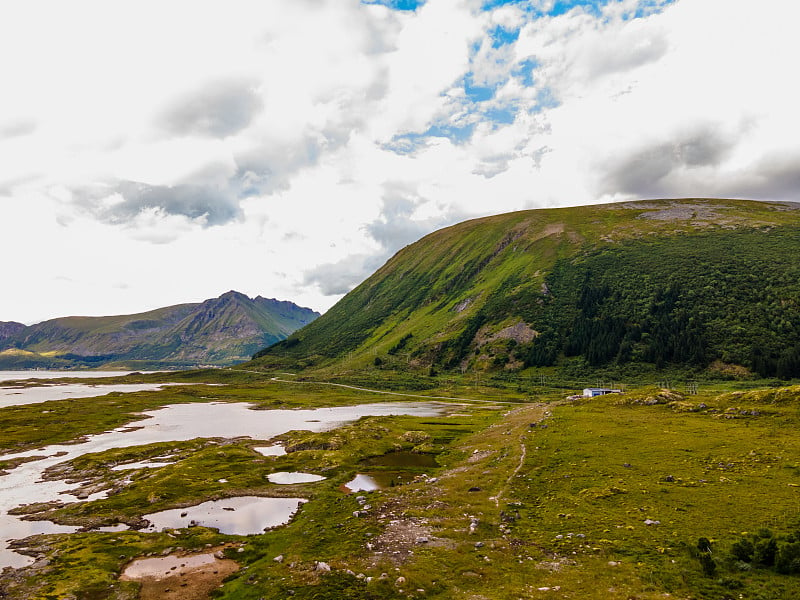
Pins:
x,y
220,331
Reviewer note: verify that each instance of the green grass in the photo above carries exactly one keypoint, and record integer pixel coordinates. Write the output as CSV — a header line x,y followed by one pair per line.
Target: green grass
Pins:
x,y
529,474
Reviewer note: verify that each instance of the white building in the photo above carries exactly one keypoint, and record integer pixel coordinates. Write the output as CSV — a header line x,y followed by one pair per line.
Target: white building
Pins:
x,y
592,392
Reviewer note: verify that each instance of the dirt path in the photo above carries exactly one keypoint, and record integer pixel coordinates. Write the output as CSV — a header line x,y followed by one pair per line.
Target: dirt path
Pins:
x,y
523,453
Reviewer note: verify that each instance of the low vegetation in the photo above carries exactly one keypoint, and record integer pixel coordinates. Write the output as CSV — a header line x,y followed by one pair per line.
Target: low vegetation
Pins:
x,y
634,495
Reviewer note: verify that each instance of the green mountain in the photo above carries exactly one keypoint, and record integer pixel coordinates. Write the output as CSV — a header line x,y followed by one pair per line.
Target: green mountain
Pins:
x,y
220,331
692,282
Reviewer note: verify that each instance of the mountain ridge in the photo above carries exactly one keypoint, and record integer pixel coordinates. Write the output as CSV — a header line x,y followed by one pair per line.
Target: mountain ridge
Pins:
x,y
217,331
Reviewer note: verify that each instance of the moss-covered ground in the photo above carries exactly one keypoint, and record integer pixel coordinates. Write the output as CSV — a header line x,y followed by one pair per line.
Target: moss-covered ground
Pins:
x,y
539,497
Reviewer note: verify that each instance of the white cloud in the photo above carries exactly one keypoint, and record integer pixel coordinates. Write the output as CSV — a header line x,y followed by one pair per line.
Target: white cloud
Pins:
x,y
285,148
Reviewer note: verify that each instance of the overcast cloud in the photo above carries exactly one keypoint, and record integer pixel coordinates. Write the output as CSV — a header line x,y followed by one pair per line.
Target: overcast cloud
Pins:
x,y
218,109
159,153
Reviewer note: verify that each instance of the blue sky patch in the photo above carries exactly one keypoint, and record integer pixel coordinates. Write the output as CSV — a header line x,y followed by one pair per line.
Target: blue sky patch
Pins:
x,y
408,143
501,36
524,70
560,7
477,93
501,115
649,7
491,4
397,4
645,7
544,100
564,6
456,134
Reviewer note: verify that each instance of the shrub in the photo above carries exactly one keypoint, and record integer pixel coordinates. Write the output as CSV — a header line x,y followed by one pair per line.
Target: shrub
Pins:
x,y
743,550
708,564
787,558
764,551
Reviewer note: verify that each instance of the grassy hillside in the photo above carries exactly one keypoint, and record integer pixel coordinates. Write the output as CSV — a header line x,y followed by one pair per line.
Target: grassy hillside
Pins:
x,y
693,282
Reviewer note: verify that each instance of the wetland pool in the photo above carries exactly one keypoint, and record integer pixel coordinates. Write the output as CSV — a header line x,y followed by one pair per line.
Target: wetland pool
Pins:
x,y
242,515
180,422
288,478
378,480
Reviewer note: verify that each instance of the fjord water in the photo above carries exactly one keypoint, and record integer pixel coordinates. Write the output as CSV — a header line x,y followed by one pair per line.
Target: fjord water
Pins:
x,y
170,423
15,396
16,375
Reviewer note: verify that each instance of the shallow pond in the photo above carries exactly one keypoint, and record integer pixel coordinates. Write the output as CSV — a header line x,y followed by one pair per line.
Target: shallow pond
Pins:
x,y
171,423
165,565
244,515
286,478
145,464
276,450
379,480
362,483
402,459
191,577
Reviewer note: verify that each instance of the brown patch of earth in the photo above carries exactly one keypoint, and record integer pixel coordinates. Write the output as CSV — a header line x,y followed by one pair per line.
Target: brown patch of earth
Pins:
x,y
175,577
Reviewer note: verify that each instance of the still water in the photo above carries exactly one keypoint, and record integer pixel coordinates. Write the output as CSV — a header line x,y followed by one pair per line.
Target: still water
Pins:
x,y
179,422
244,515
288,478
16,396
9,375
13,396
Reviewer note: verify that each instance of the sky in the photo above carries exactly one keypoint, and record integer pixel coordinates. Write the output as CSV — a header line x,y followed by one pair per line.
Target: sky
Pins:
x,y
155,153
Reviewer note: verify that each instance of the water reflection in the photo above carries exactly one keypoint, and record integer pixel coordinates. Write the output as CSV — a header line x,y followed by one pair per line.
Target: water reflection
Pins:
x,y
403,459
362,483
145,464
245,515
21,375
17,396
286,478
378,480
165,565
275,450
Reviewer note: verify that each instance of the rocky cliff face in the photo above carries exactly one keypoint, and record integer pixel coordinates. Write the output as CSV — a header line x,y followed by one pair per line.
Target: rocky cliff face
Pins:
x,y
10,329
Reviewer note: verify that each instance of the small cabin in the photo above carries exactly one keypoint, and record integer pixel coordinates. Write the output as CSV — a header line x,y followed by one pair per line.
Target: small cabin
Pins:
x,y
592,392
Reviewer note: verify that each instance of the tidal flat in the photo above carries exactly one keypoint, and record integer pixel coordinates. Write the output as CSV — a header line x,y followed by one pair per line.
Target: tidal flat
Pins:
x,y
600,498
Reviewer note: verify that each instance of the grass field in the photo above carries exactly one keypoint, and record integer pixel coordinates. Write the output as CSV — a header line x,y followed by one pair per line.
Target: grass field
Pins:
x,y
539,497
